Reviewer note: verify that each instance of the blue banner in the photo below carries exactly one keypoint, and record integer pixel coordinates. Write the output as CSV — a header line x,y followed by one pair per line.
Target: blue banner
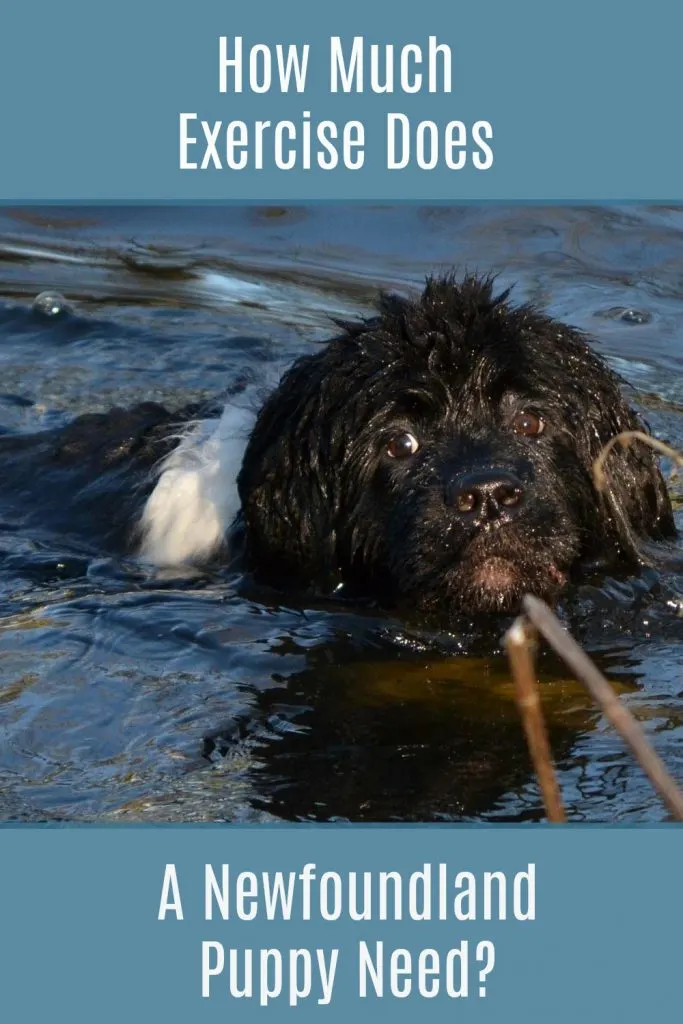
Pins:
x,y
264,923
441,100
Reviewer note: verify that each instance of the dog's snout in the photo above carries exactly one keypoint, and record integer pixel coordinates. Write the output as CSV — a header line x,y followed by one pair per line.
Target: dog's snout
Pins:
x,y
486,495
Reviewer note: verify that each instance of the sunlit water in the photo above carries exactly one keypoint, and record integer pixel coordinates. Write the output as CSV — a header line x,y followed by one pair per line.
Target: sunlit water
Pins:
x,y
130,696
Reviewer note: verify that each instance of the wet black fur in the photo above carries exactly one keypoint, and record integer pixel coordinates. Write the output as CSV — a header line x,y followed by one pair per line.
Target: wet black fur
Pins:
x,y
323,504
86,482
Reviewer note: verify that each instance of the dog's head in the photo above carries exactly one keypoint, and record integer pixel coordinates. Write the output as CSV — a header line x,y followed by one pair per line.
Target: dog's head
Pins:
x,y
440,455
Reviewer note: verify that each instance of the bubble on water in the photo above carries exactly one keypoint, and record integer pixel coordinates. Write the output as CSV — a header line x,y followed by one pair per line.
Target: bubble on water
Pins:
x,y
636,316
51,304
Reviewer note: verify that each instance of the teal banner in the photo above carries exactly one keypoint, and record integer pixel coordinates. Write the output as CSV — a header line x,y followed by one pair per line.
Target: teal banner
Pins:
x,y
163,102
479,924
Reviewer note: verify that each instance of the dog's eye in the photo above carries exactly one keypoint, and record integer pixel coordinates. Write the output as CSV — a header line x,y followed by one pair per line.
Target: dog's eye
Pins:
x,y
402,445
530,424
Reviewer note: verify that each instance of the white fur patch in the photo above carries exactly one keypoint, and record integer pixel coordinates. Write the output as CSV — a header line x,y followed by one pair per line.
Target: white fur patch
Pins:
x,y
186,517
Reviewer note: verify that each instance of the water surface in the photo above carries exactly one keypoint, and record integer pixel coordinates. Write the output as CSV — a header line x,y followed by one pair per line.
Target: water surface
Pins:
x,y
129,695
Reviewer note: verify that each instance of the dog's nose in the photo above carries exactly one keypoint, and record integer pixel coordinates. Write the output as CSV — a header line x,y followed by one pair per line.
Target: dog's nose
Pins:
x,y
486,495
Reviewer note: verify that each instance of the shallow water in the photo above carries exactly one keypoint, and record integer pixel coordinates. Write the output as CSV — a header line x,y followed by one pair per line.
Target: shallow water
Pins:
x,y
127,695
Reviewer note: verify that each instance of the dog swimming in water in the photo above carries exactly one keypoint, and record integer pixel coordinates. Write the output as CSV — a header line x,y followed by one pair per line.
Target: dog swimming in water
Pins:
x,y
436,457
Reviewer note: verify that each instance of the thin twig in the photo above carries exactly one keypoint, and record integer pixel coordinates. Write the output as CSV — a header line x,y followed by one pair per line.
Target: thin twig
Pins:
x,y
602,693
624,439
519,648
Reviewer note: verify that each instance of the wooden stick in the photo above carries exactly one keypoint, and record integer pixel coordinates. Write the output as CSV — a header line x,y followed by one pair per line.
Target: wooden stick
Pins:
x,y
602,693
519,648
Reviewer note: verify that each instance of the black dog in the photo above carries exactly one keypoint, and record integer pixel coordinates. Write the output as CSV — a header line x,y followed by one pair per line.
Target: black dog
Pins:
x,y
437,457
440,456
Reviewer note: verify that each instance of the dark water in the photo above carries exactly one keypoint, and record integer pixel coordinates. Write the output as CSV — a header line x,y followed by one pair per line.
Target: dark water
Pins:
x,y
131,696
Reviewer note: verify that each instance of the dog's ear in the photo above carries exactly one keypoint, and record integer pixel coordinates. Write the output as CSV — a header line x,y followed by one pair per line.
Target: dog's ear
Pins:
x,y
287,507
636,495
634,498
